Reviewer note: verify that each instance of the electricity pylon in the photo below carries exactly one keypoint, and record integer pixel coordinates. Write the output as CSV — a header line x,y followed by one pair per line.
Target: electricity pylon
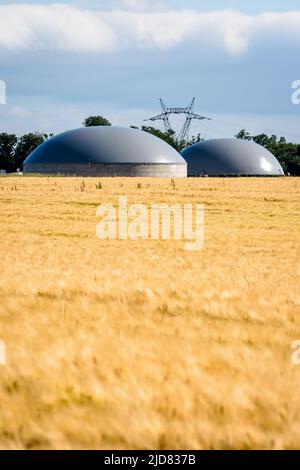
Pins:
x,y
188,112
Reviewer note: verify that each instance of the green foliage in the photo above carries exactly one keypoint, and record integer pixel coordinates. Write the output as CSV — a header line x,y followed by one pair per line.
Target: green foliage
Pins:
x,y
170,138
96,121
287,153
8,144
14,151
26,144
194,140
243,135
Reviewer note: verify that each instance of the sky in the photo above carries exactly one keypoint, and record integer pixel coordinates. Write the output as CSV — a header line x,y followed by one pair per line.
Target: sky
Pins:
x,y
64,61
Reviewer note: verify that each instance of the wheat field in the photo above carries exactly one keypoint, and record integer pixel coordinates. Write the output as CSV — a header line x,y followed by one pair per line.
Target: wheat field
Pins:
x,y
142,344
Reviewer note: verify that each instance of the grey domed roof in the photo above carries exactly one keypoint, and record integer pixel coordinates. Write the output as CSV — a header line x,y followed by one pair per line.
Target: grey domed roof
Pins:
x,y
108,145
218,157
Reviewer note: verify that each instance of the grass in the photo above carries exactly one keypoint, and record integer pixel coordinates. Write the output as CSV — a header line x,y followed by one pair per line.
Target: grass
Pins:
x,y
141,344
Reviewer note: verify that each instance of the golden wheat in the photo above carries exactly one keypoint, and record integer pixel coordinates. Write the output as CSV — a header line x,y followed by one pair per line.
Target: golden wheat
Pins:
x,y
141,344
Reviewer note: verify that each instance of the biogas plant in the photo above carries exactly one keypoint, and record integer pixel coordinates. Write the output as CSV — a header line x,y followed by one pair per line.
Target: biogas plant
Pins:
x,y
119,151
106,151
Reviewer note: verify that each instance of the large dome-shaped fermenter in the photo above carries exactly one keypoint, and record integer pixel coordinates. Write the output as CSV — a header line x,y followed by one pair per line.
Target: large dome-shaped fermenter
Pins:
x,y
106,151
230,157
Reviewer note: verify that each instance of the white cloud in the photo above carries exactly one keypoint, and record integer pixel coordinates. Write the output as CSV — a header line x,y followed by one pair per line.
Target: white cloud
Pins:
x,y
135,25
62,27
143,5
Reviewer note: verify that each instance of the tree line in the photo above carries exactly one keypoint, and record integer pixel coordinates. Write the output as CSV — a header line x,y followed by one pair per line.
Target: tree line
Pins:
x,y
14,150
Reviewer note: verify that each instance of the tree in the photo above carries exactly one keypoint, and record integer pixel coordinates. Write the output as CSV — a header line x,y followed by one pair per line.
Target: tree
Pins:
x,y
194,140
243,135
96,121
170,137
26,144
8,144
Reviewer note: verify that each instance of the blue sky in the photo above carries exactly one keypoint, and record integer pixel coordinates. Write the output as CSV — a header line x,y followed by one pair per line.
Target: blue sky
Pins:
x,y
248,6
63,63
